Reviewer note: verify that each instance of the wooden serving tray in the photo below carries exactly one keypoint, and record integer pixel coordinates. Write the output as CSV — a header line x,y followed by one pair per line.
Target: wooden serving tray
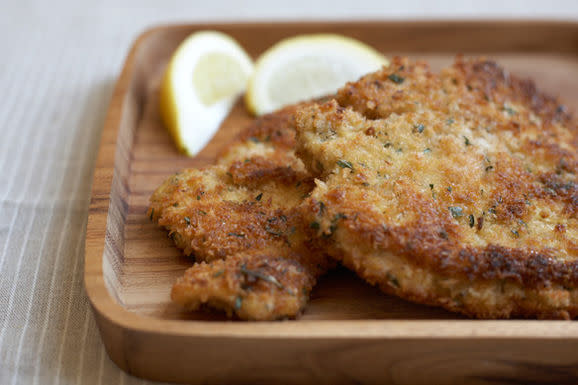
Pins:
x,y
350,332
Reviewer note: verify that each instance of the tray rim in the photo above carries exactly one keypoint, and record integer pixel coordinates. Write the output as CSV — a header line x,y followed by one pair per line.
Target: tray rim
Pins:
x,y
105,306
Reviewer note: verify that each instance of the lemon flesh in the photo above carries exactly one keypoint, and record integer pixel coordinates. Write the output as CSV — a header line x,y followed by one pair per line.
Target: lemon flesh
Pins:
x,y
218,76
307,67
204,77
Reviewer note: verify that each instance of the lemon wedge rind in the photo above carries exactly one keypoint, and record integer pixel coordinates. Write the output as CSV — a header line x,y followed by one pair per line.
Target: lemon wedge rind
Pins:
x,y
306,67
204,77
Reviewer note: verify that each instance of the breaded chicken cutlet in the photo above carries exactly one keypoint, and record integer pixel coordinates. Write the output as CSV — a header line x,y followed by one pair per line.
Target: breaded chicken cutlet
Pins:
x,y
239,221
456,189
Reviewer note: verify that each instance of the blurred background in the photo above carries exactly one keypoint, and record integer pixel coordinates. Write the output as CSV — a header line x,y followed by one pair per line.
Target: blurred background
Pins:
x,y
59,62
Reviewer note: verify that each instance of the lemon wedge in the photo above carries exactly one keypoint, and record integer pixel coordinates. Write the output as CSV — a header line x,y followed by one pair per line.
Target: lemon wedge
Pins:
x,y
205,75
306,67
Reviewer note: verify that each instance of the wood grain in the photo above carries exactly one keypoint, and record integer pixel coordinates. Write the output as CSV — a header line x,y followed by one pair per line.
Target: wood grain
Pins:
x,y
350,332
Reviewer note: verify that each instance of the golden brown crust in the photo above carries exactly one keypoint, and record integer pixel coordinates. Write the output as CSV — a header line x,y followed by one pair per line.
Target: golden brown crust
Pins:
x,y
252,287
273,128
242,212
466,178
211,217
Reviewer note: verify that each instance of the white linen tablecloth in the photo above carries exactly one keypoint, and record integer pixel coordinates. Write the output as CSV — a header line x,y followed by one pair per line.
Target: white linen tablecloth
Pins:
x,y
59,60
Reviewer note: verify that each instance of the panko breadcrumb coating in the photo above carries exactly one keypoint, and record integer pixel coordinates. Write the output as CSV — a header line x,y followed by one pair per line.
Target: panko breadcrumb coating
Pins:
x,y
456,189
240,222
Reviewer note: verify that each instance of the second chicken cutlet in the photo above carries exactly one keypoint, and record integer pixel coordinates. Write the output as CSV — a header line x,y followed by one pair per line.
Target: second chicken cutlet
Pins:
x,y
456,189
239,220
